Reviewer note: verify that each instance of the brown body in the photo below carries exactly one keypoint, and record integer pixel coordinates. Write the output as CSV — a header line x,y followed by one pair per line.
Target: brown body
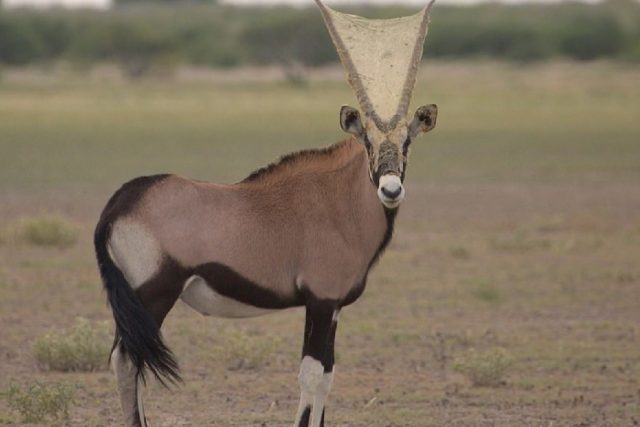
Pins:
x,y
303,231
277,229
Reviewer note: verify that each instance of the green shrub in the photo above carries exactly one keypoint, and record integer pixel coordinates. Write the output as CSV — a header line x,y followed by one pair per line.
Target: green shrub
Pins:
x,y
591,35
19,41
84,348
460,252
487,292
484,369
47,231
37,401
144,36
241,350
520,241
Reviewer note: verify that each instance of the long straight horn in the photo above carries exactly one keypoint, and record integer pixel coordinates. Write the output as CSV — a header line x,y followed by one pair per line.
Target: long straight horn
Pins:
x,y
353,77
381,58
412,75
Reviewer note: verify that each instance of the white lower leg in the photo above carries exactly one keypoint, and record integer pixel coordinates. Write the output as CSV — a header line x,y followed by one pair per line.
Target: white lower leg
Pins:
x,y
139,390
320,399
129,389
310,378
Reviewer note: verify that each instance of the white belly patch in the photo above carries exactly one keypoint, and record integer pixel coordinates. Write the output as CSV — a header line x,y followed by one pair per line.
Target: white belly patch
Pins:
x,y
198,295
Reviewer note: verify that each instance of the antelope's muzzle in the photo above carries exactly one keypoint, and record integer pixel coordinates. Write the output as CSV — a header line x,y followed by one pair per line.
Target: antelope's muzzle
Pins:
x,y
390,190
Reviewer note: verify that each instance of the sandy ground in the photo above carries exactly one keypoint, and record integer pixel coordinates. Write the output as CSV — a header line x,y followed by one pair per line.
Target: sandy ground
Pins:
x,y
561,259
520,231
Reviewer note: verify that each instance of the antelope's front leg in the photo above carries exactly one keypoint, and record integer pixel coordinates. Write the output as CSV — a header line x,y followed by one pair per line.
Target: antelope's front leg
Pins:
x,y
316,368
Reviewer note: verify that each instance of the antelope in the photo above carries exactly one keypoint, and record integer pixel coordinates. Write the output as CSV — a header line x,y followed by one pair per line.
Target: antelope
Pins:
x,y
302,232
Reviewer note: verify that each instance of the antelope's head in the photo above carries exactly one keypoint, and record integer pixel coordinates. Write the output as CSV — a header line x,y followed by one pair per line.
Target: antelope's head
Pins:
x,y
381,59
388,151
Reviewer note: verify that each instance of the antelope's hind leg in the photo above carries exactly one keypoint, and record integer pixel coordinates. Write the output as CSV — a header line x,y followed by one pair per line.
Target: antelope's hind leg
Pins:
x,y
129,389
158,295
316,368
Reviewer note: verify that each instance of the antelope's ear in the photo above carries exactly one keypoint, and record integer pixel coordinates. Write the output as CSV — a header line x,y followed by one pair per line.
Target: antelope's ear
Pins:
x,y
424,120
350,121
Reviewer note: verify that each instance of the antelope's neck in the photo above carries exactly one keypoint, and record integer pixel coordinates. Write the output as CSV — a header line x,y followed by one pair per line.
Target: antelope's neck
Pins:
x,y
372,221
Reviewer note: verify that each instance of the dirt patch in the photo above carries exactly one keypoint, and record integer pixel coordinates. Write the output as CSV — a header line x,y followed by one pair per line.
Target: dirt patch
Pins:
x,y
567,315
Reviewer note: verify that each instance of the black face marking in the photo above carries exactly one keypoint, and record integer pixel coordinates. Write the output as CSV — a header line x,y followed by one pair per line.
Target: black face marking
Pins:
x,y
368,146
405,157
405,147
304,419
388,162
231,284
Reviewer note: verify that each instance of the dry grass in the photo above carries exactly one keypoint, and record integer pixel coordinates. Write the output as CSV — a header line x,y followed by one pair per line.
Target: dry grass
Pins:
x,y
484,369
47,230
38,402
239,349
486,292
85,347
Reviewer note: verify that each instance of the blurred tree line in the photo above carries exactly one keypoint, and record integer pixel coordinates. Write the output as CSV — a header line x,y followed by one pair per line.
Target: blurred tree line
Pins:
x,y
138,34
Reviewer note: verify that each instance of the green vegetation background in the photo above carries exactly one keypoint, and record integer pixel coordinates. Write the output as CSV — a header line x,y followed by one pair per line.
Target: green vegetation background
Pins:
x,y
140,36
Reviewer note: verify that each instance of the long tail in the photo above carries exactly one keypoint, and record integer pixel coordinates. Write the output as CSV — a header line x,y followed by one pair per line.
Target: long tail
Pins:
x,y
137,332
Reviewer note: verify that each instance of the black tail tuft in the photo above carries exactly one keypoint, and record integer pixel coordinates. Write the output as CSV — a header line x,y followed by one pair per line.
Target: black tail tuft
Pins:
x,y
137,332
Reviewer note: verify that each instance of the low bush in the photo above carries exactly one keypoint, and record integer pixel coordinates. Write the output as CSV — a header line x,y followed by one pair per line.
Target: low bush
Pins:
x,y
47,231
143,37
484,369
241,350
83,348
520,241
460,252
488,293
37,402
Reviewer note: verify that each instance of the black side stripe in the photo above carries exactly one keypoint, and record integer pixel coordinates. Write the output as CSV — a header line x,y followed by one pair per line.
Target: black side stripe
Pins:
x,y
231,284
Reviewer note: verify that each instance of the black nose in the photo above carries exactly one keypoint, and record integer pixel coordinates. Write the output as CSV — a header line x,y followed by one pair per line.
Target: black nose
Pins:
x,y
392,194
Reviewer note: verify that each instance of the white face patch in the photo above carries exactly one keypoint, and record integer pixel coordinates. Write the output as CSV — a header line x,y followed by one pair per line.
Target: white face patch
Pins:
x,y
390,190
135,251
198,295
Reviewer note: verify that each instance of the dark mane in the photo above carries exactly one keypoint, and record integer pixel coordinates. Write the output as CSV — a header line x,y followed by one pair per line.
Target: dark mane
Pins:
x,y
293,158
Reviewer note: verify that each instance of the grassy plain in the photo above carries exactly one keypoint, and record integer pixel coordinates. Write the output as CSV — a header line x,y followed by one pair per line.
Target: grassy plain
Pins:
x,y
520,233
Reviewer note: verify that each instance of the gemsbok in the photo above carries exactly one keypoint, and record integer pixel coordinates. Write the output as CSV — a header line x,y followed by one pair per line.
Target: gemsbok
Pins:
x,y
304,231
